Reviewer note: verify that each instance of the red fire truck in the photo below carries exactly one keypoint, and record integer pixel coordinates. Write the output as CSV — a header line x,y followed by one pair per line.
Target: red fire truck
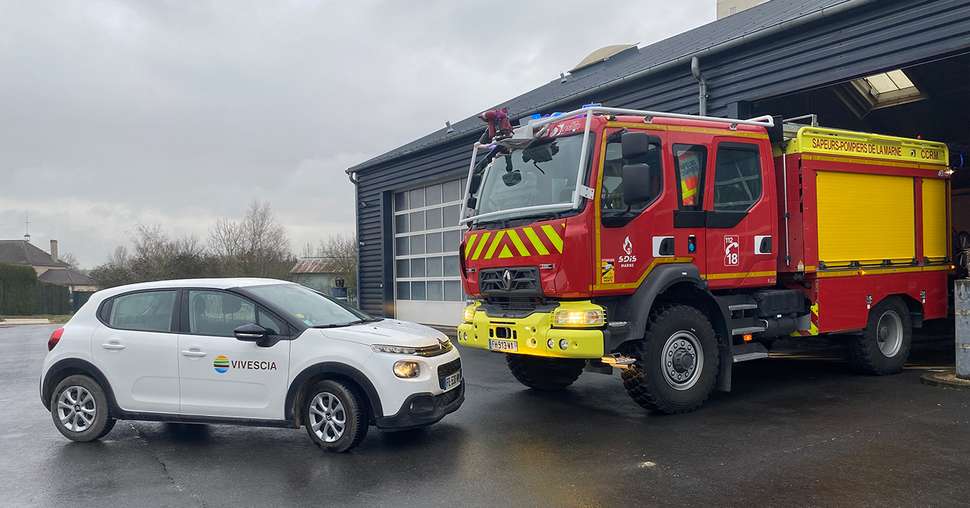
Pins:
x,y
672,246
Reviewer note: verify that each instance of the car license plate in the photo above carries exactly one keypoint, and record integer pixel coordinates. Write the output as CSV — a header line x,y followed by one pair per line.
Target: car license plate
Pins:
x,y
452,380
503,345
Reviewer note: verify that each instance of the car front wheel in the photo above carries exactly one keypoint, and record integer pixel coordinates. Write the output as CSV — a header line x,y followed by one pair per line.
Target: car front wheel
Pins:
x,y
335,416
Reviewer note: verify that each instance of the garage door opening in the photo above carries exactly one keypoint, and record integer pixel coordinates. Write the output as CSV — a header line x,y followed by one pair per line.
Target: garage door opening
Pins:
x,y
928,100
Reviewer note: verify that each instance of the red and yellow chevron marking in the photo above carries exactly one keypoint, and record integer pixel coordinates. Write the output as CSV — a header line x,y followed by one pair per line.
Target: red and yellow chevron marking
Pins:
x,y
813,327
517,242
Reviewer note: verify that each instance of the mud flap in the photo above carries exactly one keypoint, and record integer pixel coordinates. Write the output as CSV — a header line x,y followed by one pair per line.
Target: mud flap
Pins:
x,y
726,367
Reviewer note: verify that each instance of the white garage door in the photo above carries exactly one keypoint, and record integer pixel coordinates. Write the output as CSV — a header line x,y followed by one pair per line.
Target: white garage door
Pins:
x,y
427,286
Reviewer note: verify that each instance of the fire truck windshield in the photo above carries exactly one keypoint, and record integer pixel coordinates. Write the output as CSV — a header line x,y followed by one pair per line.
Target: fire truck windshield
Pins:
x,y
526,181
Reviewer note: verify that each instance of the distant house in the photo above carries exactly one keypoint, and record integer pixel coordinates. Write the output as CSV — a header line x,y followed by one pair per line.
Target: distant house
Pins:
x,y
323,275
49,268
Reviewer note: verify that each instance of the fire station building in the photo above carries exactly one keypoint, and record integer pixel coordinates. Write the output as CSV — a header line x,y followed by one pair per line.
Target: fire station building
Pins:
x,y
896,67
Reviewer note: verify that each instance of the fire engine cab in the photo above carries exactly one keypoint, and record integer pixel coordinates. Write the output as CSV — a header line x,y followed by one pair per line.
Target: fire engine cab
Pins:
x,y
672,246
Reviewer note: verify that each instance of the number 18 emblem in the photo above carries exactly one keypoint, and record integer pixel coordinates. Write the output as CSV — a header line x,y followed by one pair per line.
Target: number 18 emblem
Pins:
x,y
732,250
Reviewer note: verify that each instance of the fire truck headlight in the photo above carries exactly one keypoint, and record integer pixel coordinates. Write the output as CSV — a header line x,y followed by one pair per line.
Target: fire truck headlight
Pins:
x,y
570,318
469,314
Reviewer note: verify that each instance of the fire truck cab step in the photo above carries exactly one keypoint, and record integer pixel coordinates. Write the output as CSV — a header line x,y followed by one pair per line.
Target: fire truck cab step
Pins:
x,y
747,329
742,306
749,351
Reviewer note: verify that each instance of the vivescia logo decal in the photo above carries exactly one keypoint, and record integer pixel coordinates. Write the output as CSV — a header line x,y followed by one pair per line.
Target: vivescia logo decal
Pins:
x,y
222,363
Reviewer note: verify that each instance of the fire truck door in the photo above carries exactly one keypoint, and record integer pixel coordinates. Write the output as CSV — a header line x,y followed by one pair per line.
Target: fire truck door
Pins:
x,y
740,216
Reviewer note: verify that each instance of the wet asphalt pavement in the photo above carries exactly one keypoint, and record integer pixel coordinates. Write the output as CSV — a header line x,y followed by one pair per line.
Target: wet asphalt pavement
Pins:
x,y
797,430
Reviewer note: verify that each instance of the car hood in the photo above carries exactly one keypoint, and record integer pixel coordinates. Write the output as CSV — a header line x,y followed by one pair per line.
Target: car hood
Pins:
x,y
387,331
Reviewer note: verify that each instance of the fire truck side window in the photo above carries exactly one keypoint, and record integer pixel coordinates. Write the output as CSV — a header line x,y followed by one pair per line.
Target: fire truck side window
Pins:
x,y
737,177
690,162
611,200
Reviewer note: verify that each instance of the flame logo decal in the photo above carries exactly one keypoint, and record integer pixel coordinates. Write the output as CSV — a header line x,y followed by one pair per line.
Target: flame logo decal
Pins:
x,y
627,246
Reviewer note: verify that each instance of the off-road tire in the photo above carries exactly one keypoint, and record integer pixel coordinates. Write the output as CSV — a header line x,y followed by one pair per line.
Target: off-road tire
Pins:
x,y
545,374
865,356
102,423
645,381
356,416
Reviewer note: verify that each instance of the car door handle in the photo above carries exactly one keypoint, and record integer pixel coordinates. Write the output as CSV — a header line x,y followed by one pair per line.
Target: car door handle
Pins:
x,y
113,346
193,353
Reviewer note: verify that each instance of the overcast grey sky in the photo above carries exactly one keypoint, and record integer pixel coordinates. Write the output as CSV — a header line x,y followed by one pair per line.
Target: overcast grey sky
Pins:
x,y
114,114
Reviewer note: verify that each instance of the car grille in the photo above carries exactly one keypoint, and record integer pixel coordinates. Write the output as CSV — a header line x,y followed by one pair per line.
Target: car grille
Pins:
x,y
510,281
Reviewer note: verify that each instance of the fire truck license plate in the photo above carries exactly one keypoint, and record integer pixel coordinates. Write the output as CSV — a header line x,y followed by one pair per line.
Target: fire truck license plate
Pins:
x,y
503,345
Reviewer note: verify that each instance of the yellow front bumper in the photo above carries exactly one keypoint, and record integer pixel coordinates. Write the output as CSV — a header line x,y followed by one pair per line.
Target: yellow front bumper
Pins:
x,y
533,335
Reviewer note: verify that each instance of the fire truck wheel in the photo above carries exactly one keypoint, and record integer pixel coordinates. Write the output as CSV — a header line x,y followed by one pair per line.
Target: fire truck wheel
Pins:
x,y
677,363
883,347
546,374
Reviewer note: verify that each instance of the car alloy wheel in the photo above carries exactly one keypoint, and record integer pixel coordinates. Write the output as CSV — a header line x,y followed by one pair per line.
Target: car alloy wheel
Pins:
x,y
76,409
327,417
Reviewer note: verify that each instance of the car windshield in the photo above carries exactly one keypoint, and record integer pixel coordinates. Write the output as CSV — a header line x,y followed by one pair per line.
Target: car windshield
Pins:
x,y
542,173
309,307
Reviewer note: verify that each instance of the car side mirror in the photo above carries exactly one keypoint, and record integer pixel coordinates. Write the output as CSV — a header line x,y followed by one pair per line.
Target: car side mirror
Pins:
x,y
251,332
641,183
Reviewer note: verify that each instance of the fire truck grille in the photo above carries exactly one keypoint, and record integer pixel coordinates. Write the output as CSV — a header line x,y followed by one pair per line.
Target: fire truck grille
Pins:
x,y
510,282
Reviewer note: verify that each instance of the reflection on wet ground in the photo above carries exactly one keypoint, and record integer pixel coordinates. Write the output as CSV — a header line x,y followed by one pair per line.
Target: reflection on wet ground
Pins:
x,y
797,429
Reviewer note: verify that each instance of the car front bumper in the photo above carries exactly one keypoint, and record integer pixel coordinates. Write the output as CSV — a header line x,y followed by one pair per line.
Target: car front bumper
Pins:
x,y
421,409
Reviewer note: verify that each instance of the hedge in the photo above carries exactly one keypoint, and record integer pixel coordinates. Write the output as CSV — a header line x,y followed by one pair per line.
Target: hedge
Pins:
x,y
22,294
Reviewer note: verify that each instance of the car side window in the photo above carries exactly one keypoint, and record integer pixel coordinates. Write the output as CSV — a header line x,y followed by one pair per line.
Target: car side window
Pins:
x,y
218,313
148,311
268,321
737,177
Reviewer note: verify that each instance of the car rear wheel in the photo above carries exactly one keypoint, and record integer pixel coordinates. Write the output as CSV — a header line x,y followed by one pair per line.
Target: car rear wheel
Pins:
x,y
79,408
546,374
335,417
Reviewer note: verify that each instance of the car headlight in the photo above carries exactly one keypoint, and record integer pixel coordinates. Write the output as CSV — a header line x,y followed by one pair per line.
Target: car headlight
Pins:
x,y
469,314
406,369
570,318
397,350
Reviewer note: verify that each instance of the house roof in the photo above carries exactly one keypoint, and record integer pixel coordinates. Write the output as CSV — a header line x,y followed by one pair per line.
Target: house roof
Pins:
x,y
22,252
315,265
745,24
66,277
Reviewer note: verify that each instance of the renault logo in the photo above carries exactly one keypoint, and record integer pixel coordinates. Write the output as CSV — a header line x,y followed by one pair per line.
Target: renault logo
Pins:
x,y
507,280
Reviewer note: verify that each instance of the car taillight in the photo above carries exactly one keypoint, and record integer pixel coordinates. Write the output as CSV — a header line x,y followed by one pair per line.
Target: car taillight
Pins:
x,y
55,338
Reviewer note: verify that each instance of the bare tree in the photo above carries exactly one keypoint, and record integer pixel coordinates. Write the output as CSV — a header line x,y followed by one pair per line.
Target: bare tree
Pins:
x,y
341,252
69,259
256,245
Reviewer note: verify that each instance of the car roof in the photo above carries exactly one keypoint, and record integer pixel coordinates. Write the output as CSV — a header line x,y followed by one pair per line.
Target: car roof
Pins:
x,y
213,283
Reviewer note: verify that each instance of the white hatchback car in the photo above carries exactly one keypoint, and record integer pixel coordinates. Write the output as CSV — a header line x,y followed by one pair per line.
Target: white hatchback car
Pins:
x,y
245,351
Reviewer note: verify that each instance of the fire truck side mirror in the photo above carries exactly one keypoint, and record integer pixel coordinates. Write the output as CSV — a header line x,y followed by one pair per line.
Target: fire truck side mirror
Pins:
x,y
641,183
634,145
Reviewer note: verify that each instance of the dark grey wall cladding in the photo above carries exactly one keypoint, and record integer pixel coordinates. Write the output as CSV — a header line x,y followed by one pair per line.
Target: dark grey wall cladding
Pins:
x,y
880,36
